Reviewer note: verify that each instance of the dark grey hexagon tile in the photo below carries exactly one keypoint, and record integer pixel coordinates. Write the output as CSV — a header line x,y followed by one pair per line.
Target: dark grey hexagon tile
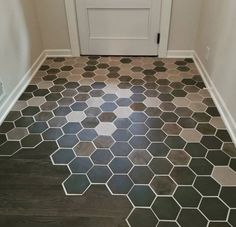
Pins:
x,y
223,135
178,157
207,186
201,166
103,141
141,175
187,196
6,127
72,128
90,122
138,117
52,134
68,141
214,209
163,185
121,149
9,148
87,134
191,217
120,184
232,217
160,166
166,208
139,142
140,157
3,139
182,175
142,217
138,129
84,148
63,156
31,140
120,165
175,142
228,195
102,156
206,129
122,123
233,164
167,224
218,157
219,224
38,127
187,122
13,115
156,135
57,122
76,184
99,174
153,111
154,123
158,149
211,142
141,196
196,150
24,122
122,135
80,165
107,117
108,107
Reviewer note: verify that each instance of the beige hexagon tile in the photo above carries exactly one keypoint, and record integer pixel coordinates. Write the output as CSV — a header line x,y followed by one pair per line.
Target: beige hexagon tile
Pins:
x,y
172,129
19,105
36,101
86,81
63,74
204,93
111,89
95,102
217,122
152,102
40,74
17,133
100,78
45,84
123,112
224,175
74,78
197,107
76,116
191,135
124,93
179,157
181,102
105,129
194,97
36,80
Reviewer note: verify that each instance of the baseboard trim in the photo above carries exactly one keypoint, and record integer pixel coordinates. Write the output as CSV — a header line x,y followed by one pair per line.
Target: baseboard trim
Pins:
x,y
58,53
22,85
219,101
180,53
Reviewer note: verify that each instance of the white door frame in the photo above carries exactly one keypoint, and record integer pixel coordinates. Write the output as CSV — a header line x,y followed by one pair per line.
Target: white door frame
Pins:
x,y
166,7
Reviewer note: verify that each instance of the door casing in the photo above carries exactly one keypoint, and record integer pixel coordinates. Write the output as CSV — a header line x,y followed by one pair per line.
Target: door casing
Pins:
x,y
71,14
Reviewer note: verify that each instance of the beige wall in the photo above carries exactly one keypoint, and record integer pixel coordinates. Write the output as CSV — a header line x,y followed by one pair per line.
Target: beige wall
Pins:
x,y
217,30
53,23
20,41
184,24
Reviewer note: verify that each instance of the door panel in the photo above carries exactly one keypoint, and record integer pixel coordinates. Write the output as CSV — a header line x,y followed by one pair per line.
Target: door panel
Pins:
x,y
124,27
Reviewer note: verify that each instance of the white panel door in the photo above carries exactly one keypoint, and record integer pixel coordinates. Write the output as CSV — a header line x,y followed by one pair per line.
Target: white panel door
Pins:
x,y
118,27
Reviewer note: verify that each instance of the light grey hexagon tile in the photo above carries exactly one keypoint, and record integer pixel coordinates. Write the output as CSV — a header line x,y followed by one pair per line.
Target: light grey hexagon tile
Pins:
x,y
17,133
224,175
105,129
76,116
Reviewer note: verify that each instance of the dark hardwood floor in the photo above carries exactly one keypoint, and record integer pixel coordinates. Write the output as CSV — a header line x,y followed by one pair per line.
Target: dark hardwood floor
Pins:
x,y
31,195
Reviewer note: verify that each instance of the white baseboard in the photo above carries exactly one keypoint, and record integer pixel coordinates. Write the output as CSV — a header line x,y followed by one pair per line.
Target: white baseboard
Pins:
x,y
22,85
19,89
180,53
216,96
58,53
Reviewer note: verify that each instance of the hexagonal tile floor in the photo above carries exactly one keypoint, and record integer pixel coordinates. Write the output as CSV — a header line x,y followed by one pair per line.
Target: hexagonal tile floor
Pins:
x,y
145,128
